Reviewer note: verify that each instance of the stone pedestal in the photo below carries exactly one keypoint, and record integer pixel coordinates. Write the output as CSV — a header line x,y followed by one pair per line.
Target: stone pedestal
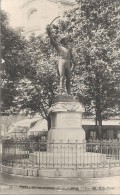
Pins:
x,y
66,120
66,146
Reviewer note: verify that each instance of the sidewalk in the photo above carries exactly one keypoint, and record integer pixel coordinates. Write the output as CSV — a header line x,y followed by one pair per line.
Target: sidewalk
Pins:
x,y
107,184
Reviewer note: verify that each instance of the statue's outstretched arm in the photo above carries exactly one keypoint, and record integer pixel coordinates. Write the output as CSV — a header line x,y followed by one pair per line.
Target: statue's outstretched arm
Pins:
x,y
53,41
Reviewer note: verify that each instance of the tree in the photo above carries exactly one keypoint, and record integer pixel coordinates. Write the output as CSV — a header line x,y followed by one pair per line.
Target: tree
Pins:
x,y
8,121
93,31
14,55
92,28
36,92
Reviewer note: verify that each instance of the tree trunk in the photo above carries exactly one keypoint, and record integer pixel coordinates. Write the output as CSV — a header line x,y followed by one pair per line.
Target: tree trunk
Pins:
x,y
49,122
99,129
98,108
98,122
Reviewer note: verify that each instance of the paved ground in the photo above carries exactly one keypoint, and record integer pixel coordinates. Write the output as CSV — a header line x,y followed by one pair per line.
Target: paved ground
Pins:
x,y
19,191
28,185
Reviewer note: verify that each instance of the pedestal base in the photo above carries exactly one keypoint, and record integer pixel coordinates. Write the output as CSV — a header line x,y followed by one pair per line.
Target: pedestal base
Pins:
x,y
66,120
71,160
65,135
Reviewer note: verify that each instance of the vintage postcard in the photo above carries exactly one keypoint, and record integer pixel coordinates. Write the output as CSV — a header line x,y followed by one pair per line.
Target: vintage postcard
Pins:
x,y
60,114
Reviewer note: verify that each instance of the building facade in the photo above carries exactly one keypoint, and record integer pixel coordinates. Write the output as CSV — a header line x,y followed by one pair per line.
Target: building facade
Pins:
x,y
34,15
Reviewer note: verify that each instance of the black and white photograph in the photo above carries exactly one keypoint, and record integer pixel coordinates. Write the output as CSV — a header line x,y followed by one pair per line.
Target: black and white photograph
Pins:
x,y
60,97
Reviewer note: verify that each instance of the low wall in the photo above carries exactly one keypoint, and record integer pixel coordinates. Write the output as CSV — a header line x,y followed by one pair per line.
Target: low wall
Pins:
x,y
32,158
63,173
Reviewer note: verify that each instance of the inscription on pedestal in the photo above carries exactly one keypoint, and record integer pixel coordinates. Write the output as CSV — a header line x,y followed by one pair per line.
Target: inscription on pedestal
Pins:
x,y
69,120
66,120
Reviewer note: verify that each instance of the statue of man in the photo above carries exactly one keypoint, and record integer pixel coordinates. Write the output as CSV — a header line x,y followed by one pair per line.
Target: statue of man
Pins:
x,y
65,61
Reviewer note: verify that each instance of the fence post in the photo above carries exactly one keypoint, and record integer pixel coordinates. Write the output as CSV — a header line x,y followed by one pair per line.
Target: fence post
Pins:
x,y
39,153
76,154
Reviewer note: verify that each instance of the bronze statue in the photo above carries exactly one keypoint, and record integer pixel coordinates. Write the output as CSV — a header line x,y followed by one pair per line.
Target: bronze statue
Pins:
x,y
65,61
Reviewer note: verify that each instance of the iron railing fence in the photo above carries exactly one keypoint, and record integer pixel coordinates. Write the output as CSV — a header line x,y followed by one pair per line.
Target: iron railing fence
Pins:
x,y
41,154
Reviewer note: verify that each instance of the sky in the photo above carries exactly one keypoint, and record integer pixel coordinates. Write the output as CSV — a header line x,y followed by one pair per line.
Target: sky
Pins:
x,y
17,17
12,7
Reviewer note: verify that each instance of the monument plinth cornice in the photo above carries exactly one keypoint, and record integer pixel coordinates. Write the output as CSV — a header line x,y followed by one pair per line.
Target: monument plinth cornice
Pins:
x,y
66,106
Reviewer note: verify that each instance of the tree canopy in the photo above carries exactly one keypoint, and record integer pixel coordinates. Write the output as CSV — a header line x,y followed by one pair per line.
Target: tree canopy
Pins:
x,y
92,29
13,53
36,91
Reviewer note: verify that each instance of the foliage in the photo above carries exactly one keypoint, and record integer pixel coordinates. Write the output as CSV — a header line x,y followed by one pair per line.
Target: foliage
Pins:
x,y
36,92
93,31
7,121
13,53
39,138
